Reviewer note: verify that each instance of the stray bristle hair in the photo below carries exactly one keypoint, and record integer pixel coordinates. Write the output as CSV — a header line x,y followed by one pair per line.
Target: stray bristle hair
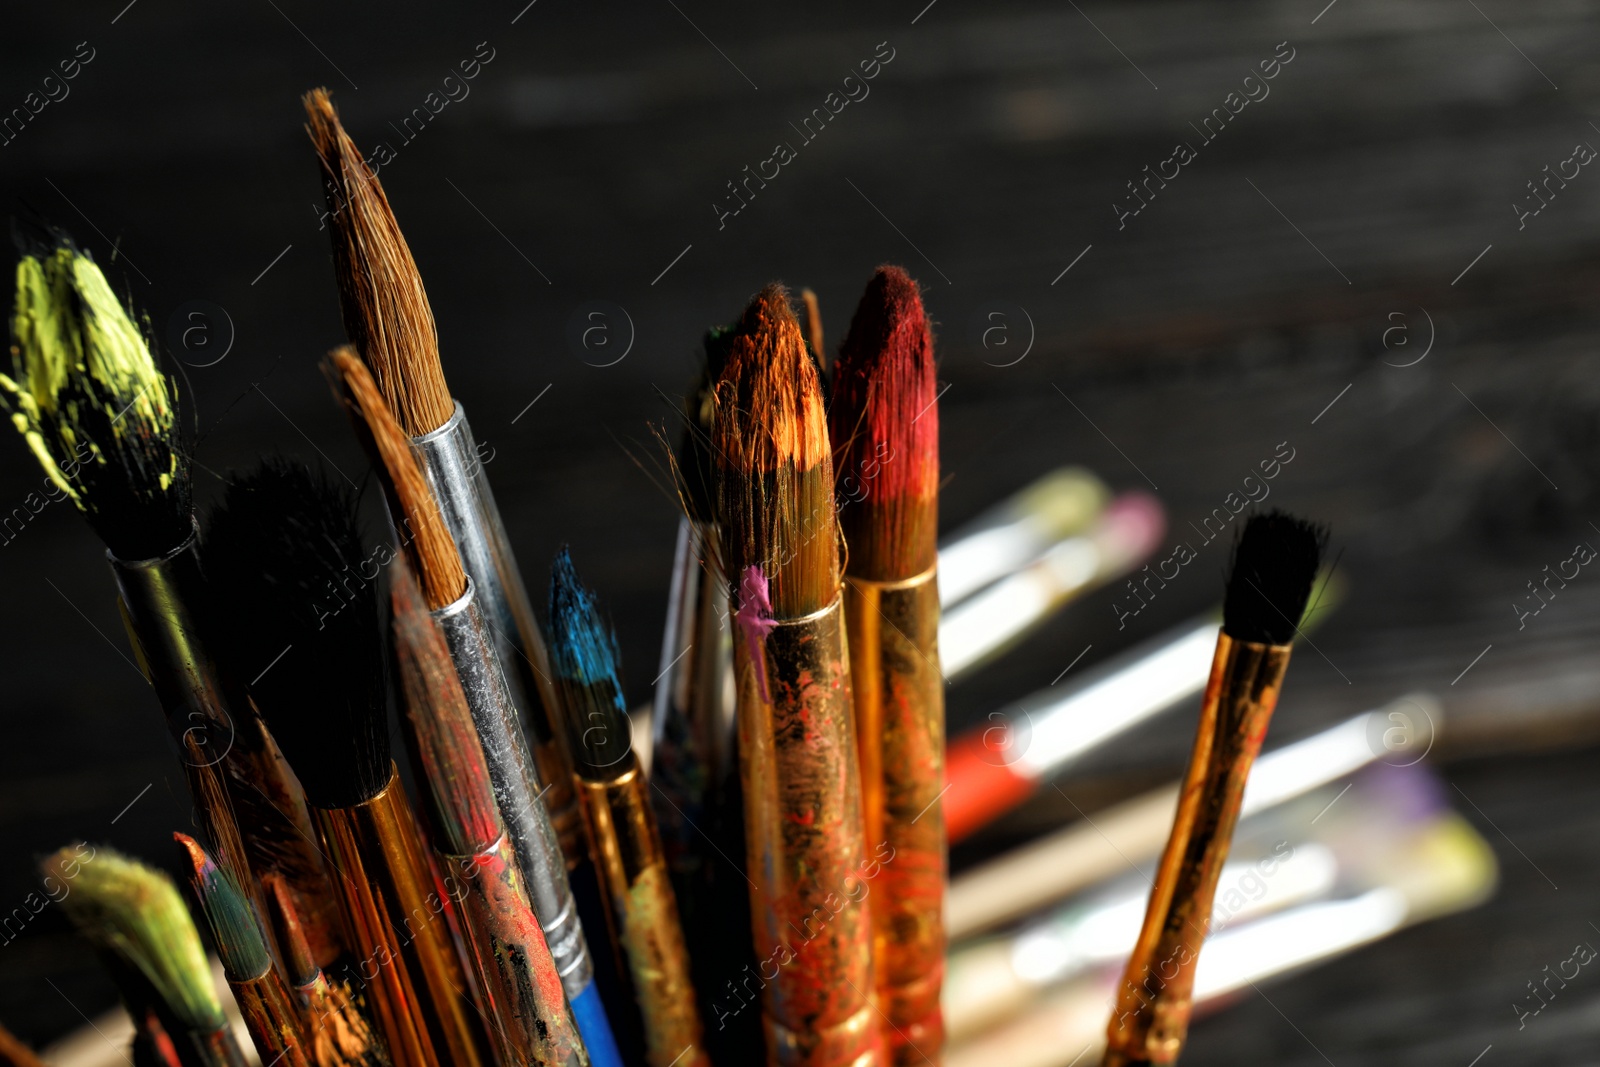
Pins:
x,y
453,768
431,549
95,409
235,929
299,965
135,913
284,549
774,468
583,655
385,306
1274,563
884,423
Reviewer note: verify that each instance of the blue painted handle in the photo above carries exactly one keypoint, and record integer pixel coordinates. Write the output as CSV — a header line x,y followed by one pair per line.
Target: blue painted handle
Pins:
x,y
595,1028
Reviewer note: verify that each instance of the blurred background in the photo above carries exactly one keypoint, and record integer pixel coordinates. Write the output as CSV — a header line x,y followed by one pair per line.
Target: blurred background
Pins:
x,y
1382,262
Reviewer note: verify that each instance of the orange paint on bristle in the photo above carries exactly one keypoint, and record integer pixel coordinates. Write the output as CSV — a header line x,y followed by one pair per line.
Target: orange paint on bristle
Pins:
x,y
774,466
288,931
885,428
454,771
429,546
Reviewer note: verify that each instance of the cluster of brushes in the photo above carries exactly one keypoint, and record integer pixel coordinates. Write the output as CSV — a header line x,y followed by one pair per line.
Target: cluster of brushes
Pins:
x,y
543,902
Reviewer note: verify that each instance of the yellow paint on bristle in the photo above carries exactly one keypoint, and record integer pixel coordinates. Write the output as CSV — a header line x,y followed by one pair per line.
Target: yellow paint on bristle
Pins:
x,y
69,324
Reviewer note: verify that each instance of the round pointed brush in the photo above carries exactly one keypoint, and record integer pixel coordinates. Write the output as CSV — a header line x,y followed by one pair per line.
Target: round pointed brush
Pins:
x,y
884,424
797,751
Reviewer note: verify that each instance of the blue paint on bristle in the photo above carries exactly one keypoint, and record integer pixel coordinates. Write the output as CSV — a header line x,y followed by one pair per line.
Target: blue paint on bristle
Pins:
x,y
582,647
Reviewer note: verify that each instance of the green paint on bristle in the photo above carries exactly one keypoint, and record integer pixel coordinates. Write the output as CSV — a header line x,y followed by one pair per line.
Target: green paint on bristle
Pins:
x,y
87,396
235,928
135,912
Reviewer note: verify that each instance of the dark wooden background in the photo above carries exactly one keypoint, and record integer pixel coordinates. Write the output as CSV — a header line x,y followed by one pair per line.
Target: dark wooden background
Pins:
x,y
1253,291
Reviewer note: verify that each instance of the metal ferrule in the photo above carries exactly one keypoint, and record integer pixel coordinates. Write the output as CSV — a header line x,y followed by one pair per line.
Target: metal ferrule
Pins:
x,y
530,1022
644,914
516,786
1156,997
899,721
455,474
397,921
803,832
269,1014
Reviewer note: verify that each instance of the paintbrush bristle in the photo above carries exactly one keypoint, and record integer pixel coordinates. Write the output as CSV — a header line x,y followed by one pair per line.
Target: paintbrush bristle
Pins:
x,y
884,422
235,929
583,657
814,339
453,767
1275,561
693,461
284,548
427,539
91,403
135,913
774,467
300,966
385,306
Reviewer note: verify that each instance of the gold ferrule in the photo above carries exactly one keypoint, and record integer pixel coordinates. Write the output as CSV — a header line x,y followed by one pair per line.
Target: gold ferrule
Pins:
x,y
270,1015
806,856
1156,997
899,722
400,931
530,1024
643,913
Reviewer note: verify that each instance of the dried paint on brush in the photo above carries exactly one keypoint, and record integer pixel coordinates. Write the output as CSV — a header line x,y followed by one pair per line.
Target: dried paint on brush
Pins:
x,y
884,423
774,469
385,306
234,927
427,539
583,655
91,403
134,913
285,546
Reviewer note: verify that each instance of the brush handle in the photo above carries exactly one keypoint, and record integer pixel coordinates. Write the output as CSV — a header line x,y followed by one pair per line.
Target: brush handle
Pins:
x,y
516,785
899,724
455,473
275,1025
803,833
590,1014
1151,1018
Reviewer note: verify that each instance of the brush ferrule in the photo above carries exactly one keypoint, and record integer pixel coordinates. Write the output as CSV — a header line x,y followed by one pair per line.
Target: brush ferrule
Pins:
x,y
272,1019
804,839
898,694
516,785
455,473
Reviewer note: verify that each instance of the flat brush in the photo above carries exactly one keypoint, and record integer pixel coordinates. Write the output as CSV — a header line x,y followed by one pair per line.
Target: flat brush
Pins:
x,y
530,1020
291,538
622,831
135,917
258,988
884,425
452,603
797,750
387,316
101,418
340,1036
1274,564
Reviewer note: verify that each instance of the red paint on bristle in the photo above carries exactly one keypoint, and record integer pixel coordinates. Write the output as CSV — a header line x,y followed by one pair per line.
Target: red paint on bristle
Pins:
x,y
884,425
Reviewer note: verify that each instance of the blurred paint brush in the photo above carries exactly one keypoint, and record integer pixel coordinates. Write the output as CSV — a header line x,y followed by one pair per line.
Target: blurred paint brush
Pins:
x,y
530,1022
802,790
884,427
135,917
1274,564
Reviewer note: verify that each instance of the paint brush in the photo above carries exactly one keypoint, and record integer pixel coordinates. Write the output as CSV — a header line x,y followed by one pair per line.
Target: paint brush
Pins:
x,y
1274,564
390,323
622,831
450,595
530,1020
15,1053
808,300
258,988
340,1035
286,543
134,916
884,427
101,417
802,789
